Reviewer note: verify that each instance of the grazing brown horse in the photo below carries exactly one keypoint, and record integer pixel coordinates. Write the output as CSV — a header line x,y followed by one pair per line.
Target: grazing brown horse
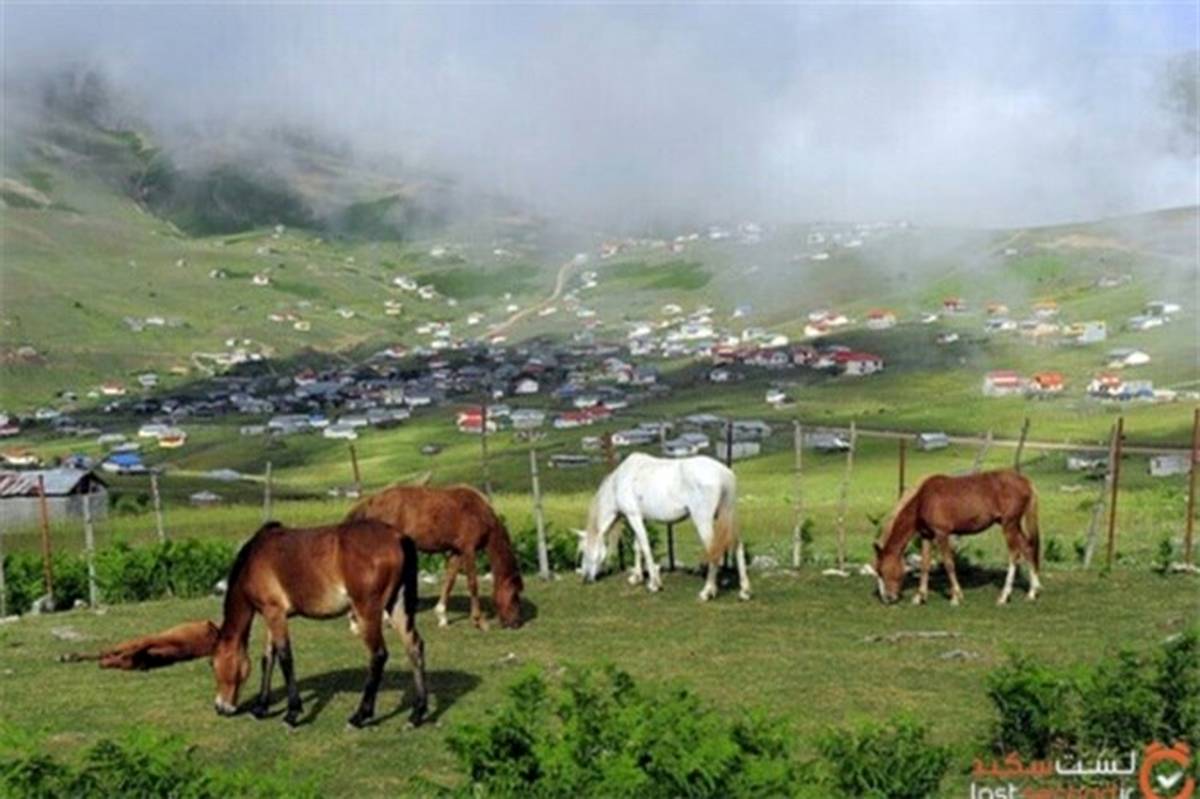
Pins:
x,y
942,506
458,521
319,573
187,641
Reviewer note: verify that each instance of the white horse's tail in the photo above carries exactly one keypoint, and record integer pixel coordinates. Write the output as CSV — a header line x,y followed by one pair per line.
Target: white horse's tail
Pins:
x,y
724,528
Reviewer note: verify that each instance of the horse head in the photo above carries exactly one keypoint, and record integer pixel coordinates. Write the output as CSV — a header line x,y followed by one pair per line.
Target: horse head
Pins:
x,y
594,551
231,667
889,570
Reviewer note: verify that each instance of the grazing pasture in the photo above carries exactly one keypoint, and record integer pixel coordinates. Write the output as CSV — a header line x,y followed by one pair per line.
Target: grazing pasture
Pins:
x,y
798,651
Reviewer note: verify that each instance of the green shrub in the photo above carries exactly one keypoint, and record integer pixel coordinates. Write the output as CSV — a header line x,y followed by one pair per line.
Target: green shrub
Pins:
x,y
1123,702
142,764
562,549
1177,686
123,573
884,762
598,734
1119,708
1033,707
25,580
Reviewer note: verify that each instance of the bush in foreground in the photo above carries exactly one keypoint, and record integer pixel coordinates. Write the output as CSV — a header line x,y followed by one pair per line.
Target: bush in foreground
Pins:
x,y
140,764
597,733
1124,702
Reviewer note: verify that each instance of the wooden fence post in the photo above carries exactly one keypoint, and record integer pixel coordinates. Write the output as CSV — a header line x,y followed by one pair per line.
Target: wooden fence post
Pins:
x,y
903,445
483,449
1191,504
798,499
1021,444
1116,487
539,519
982,453
3,583
354,468
610,458
158,511
1101,503
662,443
729,464
89,548
44,512
844,498
267,494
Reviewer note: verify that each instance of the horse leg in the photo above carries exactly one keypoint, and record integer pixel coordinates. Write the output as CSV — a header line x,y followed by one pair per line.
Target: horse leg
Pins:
x,y
642,541
1013,537
956,593
710,584
372,626
263,703
743,577
276,619
452,566
405,624
468,559
926,559
636,574
1035,585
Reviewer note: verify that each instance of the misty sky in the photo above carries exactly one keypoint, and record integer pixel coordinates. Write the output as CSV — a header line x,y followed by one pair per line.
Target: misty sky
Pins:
x,y
943,114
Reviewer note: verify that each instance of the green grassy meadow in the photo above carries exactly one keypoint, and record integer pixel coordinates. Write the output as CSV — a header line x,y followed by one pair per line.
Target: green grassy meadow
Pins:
x,y
796,651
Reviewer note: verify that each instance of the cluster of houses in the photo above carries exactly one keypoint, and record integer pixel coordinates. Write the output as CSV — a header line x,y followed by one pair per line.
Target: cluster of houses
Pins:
x,y
832,357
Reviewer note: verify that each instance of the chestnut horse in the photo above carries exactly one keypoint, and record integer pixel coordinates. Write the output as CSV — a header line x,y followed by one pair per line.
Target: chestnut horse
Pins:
x,y
458,521
942,506
318,573
187,641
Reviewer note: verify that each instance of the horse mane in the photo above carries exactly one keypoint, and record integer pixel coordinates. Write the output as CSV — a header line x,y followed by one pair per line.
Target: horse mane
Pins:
x,y
901,507
242,558
505,568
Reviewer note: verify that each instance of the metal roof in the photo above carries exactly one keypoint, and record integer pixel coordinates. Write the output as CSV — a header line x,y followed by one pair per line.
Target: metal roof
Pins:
x,y
58,482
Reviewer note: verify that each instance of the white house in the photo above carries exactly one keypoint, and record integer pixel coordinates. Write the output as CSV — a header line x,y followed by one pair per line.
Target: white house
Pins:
x,y
1127,356
1002,383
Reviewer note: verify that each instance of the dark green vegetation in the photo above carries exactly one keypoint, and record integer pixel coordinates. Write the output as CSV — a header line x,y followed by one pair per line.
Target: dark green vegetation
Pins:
x,y
1113,706
185,568
140,763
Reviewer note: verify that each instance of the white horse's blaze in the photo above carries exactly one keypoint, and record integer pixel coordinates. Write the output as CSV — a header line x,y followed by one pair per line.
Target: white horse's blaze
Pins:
x,y
644,488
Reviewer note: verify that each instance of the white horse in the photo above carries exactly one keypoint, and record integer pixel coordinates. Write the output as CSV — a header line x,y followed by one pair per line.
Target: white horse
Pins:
x,y
665,490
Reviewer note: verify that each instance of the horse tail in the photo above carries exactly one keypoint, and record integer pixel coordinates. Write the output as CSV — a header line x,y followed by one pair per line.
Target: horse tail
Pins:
x,y
409,576
1032,533
724,527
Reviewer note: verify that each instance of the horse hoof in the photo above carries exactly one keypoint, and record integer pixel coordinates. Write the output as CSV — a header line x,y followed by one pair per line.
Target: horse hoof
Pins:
x,y
291,721
634,579
705,596
1031,596
1002,601
416,718
357,721
653,587
744,596
481,625
919,599
259,711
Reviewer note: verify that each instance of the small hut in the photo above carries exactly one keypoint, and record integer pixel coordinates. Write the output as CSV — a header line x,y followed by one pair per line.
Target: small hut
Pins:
x,y
66,491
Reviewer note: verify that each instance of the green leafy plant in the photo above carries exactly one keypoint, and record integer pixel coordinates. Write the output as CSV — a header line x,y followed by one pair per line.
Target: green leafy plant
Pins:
x,y
142,763
1033,706
893,761
596,733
